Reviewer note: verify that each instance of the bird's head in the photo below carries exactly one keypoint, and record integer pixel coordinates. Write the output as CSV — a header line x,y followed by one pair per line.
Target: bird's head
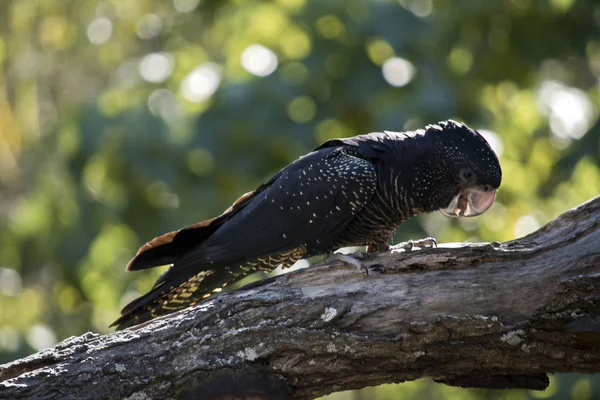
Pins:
x,y
472,169
457,173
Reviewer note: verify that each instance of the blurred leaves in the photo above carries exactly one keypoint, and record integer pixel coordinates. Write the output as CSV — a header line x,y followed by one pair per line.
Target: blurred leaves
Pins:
x,y
124,119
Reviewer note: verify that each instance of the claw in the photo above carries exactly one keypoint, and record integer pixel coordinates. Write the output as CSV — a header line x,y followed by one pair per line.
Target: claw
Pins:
x,y
408,246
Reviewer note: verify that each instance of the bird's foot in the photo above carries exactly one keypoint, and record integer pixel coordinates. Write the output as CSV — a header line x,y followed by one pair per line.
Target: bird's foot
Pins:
x,y
350,260
427,242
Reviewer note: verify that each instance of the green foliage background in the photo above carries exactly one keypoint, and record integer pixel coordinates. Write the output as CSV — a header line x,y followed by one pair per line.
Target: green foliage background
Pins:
x,y
100,152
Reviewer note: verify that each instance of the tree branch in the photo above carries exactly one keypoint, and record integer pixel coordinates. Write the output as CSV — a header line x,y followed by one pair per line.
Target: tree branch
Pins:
x,y
487,315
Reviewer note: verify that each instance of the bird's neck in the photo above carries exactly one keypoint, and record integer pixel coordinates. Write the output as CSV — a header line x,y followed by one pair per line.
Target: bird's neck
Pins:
x,y
418,186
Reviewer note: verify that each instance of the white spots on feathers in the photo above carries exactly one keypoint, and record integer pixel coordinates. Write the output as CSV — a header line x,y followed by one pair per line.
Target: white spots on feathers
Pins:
x,y
332,188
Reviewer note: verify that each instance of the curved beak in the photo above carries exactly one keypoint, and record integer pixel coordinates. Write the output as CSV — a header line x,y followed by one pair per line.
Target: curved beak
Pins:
x,y
469,203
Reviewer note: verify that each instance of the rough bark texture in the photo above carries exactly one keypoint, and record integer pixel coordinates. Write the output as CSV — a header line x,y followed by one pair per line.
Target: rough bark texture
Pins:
x,y
487,315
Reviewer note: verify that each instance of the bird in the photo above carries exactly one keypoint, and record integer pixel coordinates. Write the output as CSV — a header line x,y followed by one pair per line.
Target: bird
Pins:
x,y
347,192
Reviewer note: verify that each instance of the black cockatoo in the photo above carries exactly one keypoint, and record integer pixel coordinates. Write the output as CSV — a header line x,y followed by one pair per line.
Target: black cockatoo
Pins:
x,y
346,192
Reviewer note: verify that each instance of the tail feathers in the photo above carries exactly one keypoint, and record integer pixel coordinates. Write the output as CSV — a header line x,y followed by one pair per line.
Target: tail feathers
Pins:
x,y
179,288
164,299
167,248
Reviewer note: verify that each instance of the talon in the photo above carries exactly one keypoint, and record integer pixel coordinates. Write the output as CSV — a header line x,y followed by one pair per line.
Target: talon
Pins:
x,y
427,242
410,245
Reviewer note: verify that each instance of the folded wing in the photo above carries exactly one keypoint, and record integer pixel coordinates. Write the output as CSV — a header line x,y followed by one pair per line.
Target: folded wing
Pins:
x,y
298,212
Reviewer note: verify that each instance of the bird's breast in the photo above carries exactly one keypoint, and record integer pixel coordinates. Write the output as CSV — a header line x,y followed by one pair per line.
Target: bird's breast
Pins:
x,y
377,221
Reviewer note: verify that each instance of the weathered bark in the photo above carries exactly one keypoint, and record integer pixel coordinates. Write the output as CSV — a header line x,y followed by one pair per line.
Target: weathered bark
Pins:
x,y
491,315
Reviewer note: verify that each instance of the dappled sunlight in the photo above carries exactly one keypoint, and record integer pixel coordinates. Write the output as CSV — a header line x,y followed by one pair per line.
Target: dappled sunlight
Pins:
x,y
149,26
41,337
398,71
124,119
571,114
156,67
201,83
11,283
99,30
185,6
259,60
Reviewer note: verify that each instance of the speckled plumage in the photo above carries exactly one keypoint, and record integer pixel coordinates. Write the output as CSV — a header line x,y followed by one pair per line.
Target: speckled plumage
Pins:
x,y
353,191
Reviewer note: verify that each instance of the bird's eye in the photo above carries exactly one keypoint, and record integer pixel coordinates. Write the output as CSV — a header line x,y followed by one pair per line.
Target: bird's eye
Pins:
x,y
487,188
467,174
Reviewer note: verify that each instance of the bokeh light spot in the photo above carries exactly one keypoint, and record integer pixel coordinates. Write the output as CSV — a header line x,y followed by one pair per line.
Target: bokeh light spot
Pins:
x,y
31,216
160,195
10,282
329,26
200,162
292,5
163,102
68,299
99,30
302,109
330,129
294,73
398,71
156,67
41,337
259,60
201,83
526,225
562,5
549,392
9,339
460,60
582,389
379,50
185,5
148,26
496,217
420,8
570,112
295,44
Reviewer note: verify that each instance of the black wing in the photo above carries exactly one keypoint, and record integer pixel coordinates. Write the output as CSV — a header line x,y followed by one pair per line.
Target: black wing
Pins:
x,y
299,211
309,204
